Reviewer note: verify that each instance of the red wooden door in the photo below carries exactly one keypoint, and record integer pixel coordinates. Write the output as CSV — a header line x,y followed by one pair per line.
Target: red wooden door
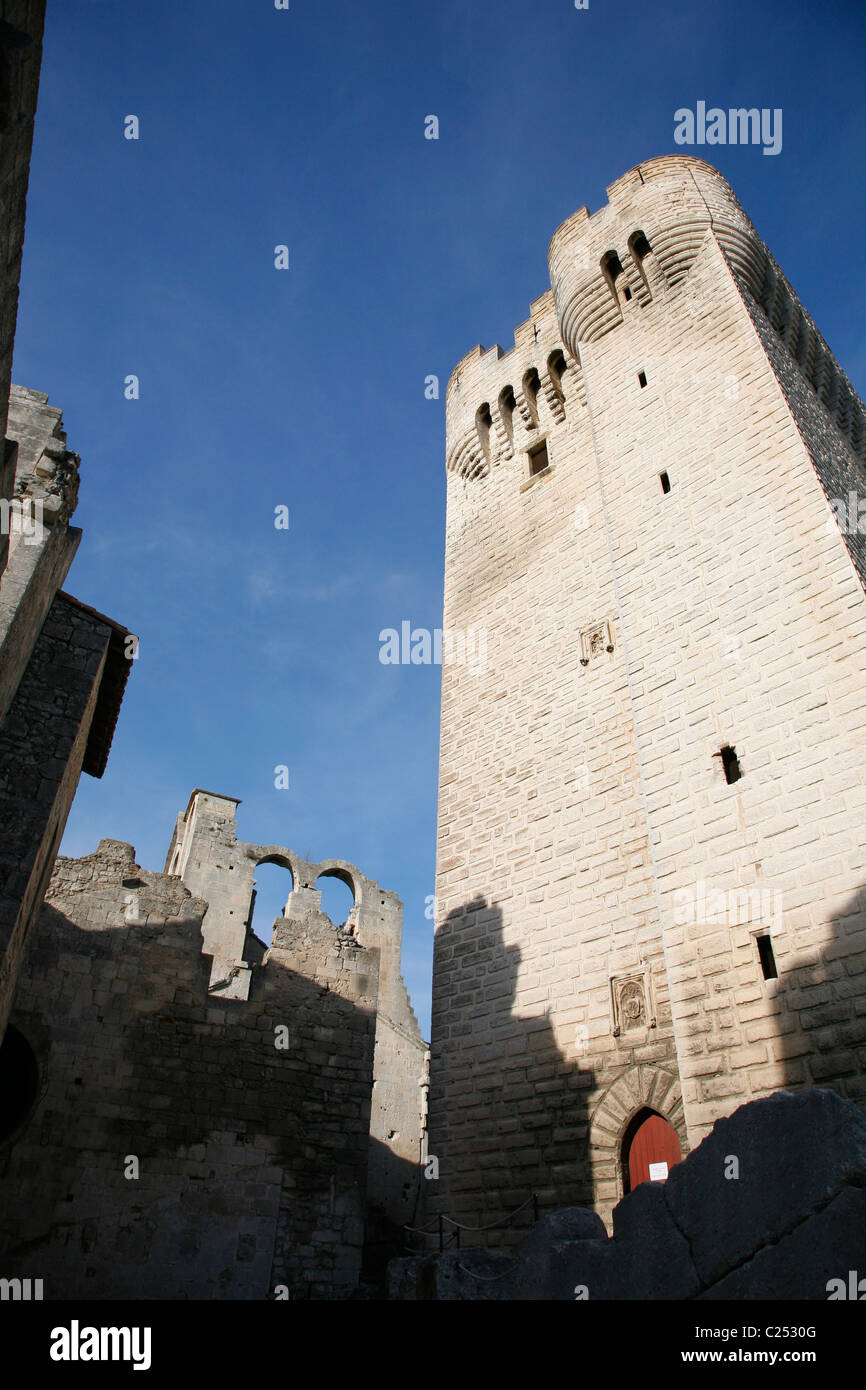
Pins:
x,y
655,1143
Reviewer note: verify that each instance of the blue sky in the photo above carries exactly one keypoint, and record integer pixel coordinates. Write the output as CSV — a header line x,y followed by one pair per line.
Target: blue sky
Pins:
x,y
305,387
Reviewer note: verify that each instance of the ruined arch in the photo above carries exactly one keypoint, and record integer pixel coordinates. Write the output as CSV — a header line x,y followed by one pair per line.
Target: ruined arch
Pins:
x,y
280,857
346,874
277,854
268,899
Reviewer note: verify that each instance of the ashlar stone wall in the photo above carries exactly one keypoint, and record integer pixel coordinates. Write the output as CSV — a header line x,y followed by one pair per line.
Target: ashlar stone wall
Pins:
x,y
658,776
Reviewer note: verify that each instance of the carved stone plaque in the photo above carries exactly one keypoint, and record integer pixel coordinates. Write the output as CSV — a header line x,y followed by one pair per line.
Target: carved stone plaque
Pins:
x,y
631,1005
595,641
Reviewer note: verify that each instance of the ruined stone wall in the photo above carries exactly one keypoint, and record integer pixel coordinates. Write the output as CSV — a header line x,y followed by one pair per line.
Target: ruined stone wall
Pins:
x,y
62,671
206,853
400,1067
43,544
251,1142
632,632
43,741
21,28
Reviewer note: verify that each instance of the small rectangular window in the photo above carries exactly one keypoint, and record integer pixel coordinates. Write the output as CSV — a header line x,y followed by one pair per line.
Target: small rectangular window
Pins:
x,y
665,482
767,959
538,460
641,376
730,764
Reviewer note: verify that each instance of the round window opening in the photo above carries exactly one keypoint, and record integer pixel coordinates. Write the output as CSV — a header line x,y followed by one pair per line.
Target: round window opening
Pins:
x,y
19,1082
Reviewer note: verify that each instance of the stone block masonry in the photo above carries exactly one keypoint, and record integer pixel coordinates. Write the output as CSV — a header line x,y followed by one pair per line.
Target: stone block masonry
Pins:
x,y
204,1119
672,712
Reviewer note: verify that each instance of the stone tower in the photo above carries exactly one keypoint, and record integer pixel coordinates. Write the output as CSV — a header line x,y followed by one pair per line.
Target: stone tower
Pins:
x,y
652,803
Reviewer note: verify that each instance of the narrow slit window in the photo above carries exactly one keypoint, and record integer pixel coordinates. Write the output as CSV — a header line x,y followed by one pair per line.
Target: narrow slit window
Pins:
x,y
626,293
767,959
665,482
641,376
730,764
538,460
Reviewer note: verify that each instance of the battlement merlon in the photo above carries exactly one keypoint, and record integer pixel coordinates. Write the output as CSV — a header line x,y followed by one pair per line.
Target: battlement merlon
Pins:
x,y
540,309
662,209
608,266
490,386
622,195
639,245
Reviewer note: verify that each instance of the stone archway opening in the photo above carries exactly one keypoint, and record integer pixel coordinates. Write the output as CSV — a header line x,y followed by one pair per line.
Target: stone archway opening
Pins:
x,y
273,883
338,895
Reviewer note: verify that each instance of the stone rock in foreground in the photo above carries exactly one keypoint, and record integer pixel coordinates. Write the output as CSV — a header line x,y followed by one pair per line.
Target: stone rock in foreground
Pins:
x,y
771,1205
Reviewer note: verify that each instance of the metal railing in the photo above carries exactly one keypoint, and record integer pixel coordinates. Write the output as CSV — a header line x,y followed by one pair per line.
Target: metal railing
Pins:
x,y
452,1241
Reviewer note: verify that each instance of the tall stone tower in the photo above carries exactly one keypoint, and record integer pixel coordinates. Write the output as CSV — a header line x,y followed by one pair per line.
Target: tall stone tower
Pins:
x,y
652,804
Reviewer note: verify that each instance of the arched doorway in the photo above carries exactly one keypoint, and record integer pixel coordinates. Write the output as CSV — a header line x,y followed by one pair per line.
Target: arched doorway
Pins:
x,y
650,1148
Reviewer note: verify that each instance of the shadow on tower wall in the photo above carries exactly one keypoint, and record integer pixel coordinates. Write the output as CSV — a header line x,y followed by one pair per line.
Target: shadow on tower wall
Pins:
x,y
169,1149
515,1122
817,1031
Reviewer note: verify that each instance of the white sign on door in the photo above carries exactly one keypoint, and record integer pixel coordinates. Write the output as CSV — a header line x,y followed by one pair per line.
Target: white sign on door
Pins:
x,y
658,1172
